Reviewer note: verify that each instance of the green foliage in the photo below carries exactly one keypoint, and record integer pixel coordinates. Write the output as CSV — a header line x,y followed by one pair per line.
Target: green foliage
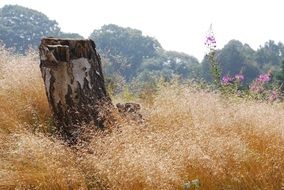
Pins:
x,y
237,54
127,52
193,184
280,76
169,64
125,48
127,95
215,68
269,56
22,28
234,58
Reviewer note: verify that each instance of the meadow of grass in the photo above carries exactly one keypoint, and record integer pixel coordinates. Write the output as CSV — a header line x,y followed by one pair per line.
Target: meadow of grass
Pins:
x,y
187,134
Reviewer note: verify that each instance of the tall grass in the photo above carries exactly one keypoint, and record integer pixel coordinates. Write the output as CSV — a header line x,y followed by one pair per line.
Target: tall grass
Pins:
x,y
22,94
28,158
187,134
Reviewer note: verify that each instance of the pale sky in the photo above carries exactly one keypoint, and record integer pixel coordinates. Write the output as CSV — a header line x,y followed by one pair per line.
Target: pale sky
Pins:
x,y
178,25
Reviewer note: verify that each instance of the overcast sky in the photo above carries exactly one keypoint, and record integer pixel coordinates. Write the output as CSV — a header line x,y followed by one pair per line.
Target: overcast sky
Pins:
x,y
178,25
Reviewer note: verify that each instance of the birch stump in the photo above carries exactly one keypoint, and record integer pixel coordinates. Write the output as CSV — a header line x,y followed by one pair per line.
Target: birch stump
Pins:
x,y
74,83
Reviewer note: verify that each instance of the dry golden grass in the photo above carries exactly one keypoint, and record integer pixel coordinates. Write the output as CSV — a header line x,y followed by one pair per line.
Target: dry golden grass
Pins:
x,y
195,135
186,135
28,159
22,94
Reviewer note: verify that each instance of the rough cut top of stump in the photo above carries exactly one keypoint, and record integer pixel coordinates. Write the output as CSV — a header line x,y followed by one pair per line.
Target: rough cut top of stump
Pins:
x,y
65,49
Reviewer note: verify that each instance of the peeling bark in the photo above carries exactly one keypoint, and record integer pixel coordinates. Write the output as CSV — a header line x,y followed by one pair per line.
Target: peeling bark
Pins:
x,y
72,73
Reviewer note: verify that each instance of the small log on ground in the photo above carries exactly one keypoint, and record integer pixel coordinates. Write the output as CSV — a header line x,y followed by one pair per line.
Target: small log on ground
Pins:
x,y
72,73
130,111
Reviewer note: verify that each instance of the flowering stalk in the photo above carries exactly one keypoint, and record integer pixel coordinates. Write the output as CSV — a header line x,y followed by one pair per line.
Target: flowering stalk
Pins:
x,y
210,43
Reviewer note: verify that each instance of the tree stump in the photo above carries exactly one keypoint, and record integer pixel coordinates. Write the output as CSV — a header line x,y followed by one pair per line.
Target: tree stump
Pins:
x,y
74,83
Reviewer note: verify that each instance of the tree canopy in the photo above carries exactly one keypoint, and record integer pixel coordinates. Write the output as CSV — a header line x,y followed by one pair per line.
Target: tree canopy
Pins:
x,y
128,52
270,55
21,28
125,48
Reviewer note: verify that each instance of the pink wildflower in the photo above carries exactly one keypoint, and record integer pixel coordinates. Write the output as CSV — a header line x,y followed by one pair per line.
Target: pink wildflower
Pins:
x,y
226,80
264,78
239,77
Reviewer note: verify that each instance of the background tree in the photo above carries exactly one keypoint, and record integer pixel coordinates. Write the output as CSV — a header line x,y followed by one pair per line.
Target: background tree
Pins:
x,y
134,56
21,28
169,64
269,56
234,58
125,48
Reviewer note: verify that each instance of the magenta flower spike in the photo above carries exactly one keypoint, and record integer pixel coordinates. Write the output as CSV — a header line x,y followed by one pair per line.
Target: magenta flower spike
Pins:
x,y
210,40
